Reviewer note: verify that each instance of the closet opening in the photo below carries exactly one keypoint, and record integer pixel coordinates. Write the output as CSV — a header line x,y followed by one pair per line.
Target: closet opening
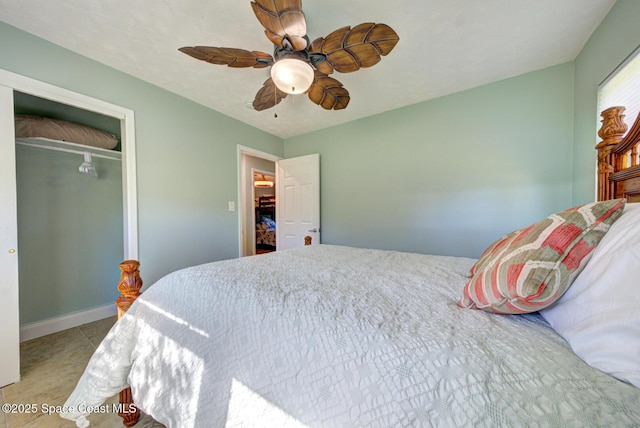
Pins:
x,y
34,303
70,212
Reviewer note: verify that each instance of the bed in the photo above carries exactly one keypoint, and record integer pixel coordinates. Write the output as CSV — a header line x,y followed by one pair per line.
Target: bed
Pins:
x,y
266,233
334,336
266,223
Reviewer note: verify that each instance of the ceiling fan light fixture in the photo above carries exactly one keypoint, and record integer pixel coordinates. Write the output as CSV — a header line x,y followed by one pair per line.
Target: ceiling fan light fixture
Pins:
x,y
292,75
298,65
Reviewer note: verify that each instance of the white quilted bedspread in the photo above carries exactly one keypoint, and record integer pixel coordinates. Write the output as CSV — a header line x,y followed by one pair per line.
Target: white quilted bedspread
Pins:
x,y
329,336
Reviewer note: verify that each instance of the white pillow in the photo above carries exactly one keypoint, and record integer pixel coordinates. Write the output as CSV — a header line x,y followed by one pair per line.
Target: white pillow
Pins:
x,y
600,313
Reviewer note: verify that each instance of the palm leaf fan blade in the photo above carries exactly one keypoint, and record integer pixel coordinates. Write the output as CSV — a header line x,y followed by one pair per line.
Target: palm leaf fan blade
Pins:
x,y
328,93
282,19
268,96
349,49
230,57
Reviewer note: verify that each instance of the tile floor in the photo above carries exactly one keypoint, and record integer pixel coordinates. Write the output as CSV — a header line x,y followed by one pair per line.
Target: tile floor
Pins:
x,y
50,367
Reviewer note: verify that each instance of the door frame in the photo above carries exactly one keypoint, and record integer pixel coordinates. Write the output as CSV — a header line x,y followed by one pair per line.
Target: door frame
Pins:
x,y
40,89
10,316
16,82
243,187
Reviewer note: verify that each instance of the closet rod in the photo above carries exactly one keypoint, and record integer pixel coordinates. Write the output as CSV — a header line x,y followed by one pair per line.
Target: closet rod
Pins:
x,y
63,146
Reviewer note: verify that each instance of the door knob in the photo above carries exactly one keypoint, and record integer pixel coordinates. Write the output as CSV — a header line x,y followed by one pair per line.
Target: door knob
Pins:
x,y
11,251
314,230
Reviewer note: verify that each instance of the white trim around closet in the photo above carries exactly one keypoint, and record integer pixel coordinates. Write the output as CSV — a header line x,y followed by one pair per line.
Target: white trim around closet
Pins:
x,y
39,89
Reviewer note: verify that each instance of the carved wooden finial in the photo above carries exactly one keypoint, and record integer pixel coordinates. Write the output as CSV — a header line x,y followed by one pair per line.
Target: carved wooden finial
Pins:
x,y
612,132
613,126
129,285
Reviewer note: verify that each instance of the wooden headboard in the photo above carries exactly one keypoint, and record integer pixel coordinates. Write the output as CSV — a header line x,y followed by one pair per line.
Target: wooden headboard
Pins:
x,y
618,163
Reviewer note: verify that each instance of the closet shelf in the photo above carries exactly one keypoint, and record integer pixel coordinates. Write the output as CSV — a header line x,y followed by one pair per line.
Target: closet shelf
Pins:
x,y
64,146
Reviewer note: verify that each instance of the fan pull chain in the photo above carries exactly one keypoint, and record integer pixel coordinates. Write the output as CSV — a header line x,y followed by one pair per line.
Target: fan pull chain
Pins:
x,y
275,101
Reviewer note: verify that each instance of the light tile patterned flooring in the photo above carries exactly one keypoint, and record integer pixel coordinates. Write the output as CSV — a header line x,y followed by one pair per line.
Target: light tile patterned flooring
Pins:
x,y
50,367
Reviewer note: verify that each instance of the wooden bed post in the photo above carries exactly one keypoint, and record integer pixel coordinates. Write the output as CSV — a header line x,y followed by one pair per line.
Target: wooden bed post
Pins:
x,y
611,132
129,286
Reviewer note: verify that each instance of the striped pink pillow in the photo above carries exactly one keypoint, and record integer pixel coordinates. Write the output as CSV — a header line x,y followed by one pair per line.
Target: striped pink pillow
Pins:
x,y
531,268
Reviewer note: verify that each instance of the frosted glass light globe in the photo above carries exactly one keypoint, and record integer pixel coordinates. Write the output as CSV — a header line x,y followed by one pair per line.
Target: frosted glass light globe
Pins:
x,y
292,75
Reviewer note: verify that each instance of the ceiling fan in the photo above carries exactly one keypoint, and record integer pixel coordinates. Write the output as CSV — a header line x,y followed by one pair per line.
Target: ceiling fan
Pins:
x,y
298,66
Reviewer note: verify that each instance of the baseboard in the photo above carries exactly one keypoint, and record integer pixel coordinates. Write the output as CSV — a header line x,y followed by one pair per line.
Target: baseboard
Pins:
x,y
63,322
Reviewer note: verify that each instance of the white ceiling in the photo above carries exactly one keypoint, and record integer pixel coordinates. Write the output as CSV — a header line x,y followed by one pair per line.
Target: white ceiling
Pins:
x,y
445,47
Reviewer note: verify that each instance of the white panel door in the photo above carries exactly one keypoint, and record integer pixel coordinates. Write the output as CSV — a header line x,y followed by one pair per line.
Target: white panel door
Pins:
x,y
9,321
297,201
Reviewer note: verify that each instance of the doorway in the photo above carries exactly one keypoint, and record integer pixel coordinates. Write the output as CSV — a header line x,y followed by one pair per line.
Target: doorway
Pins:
x,y
297,199
10,325
69,207
251,161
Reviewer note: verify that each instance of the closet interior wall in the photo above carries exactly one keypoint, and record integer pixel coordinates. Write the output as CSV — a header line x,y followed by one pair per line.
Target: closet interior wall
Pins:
x,y
70,225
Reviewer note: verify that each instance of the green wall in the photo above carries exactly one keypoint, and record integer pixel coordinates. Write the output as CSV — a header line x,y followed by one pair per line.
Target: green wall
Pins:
x,y
69,232
412,179
186,159
450,175
615,39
